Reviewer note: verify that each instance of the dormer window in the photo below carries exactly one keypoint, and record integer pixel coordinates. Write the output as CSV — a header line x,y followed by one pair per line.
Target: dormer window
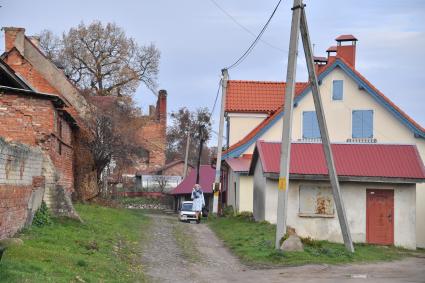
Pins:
x,y
337,90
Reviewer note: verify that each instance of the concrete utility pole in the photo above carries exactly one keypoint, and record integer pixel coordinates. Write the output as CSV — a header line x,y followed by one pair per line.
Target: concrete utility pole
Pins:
x,y
201,145
186,157
299,23
282,204
339,203
217,185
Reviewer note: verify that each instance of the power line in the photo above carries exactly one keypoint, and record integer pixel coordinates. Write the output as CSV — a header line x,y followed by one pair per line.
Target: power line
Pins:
x,y
216,98
254,43
245,28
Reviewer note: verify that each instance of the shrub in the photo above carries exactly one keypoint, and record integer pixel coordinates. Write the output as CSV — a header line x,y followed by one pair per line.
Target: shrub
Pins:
x,y
42,216
228,211
246,215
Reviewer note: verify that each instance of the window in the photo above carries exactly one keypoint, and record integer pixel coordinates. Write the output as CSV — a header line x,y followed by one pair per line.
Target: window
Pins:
x,y
310,125
316,201
337,90
362,124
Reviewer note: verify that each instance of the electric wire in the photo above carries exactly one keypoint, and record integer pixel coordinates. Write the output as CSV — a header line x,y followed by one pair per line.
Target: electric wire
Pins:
x,y
245,28
216,98
254,43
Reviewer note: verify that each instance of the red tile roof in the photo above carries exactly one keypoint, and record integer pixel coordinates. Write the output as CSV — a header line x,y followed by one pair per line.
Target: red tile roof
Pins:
x,y
206,180
240,164
268,120
359,160
256,96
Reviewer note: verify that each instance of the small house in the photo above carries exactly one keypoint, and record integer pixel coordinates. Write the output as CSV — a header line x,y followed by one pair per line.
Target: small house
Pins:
x,y
378,187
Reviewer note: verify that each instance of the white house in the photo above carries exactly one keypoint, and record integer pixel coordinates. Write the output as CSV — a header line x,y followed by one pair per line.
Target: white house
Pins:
x,y
378,186
356,112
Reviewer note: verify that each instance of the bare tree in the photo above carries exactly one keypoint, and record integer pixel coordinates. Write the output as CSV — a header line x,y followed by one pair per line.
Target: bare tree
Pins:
x,y
102,60
114,129
184,122
162,182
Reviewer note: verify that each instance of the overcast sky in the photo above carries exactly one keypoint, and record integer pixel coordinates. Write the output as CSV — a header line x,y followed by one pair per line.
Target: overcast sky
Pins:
x,y
197,40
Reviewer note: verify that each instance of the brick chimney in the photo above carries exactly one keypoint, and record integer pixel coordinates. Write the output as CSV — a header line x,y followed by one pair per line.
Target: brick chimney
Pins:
x,y
346,48
14,37
161,106
331,53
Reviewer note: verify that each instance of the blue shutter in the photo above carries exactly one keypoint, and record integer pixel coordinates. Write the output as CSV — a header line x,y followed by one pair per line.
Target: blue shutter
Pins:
x,y
368,124
307,124
357,124
337,90
362,124
310,125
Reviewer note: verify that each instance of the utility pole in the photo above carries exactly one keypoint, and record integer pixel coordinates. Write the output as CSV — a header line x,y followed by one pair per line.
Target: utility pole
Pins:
x,y
339,203
299,24
217,185
201,145
186,157
282,204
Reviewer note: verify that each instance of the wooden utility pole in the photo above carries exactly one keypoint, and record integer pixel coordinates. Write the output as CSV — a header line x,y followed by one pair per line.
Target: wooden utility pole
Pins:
x,y
282,204
299,23
186,157
339,203
217,185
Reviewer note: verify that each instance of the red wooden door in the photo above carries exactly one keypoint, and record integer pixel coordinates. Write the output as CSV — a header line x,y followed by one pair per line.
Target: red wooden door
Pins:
x,y
380,217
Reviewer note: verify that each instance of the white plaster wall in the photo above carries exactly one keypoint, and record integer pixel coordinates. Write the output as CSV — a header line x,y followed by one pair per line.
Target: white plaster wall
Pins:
x,y
246,195
354,197
241,124
405,216
231,200
259,193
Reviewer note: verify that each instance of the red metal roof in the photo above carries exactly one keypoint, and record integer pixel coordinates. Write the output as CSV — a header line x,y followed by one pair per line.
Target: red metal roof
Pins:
x,y
346,37
240,164
256,96
206,180
360,160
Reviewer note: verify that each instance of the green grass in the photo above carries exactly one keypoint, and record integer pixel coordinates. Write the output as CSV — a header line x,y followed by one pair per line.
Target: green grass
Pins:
x,y
105,248
253,243
138,200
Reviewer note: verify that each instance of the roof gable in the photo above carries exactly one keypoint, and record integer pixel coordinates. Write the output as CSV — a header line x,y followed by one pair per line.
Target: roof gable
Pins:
x,y
206,180
238,148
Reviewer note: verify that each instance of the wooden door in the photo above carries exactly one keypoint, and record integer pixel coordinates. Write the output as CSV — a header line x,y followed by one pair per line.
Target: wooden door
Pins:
x,y
380,217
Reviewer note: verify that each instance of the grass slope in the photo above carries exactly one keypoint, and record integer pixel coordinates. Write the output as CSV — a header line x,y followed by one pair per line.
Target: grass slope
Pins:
x,y
105,248
253,243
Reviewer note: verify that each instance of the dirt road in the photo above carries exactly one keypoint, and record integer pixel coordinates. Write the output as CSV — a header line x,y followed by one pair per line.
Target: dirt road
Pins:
x,y
183,252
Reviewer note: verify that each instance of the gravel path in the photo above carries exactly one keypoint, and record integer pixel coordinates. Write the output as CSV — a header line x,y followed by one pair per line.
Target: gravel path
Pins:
x,y
166,260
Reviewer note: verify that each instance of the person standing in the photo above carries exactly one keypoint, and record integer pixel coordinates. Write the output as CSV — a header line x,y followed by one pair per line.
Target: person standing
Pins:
x,y
198,201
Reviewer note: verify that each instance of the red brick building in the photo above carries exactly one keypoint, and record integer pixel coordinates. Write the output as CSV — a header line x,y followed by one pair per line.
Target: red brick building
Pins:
x,y
36,160
75,163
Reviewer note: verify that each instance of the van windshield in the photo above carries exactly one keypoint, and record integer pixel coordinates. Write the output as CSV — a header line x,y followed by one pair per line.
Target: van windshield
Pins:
x,y
186,206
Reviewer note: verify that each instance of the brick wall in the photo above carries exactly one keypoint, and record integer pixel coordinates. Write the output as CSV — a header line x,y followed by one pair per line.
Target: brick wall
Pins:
x,y
36,122
21,186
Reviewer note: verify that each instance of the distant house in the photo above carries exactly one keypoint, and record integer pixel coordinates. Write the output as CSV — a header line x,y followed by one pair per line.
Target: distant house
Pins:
x,y
184,190
356,113
378,186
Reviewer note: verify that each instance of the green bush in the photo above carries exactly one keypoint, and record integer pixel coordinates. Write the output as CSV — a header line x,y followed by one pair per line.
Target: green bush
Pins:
x,y
42,216
246,215
228,211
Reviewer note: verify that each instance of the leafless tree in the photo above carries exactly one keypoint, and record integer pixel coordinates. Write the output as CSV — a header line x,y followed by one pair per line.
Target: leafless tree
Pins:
x,y
183,122
161,181
102,60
